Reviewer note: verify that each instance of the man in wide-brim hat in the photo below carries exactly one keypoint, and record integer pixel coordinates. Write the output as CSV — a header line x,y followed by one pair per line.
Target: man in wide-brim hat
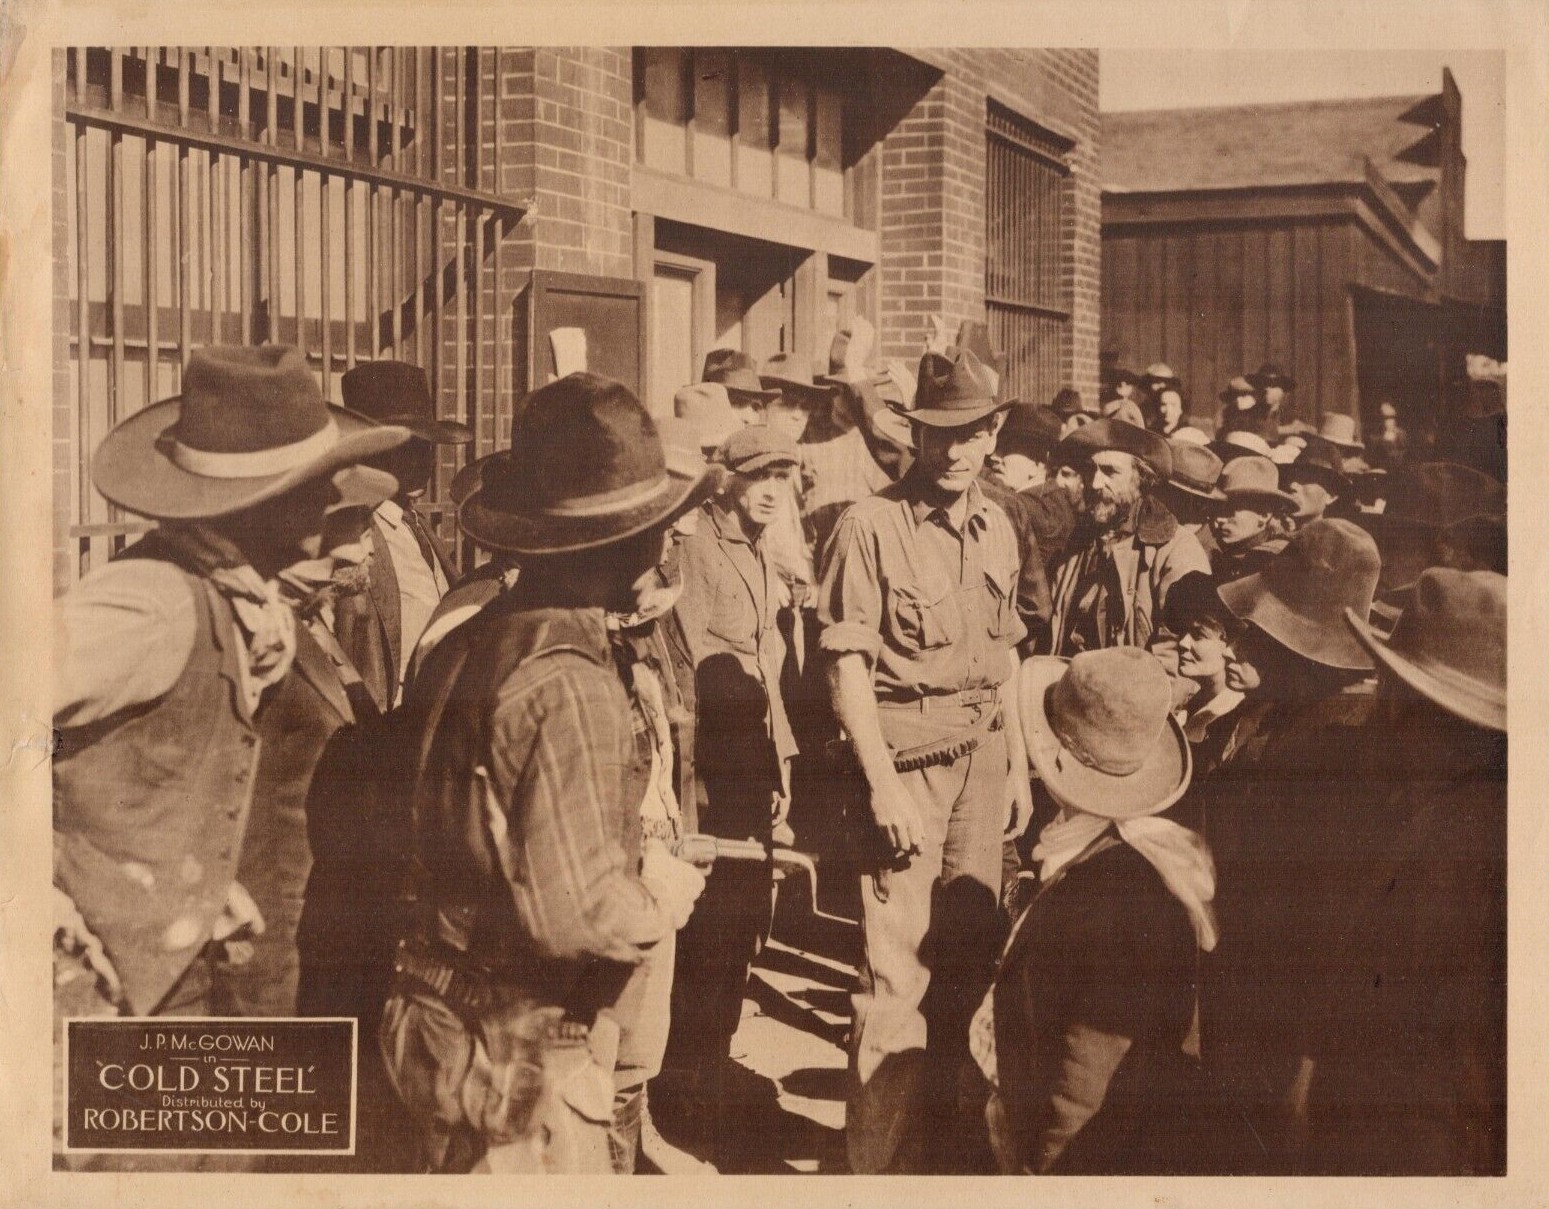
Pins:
x,y
918,605
1317,479
1243,524
1275,810
1422,501
527,793
1128,548
1415,1022
411,568
1272,382
738,373
173,662
1083,1035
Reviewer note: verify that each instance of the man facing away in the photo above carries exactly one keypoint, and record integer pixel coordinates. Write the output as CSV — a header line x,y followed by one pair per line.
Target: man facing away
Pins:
x,y
919,612
534,896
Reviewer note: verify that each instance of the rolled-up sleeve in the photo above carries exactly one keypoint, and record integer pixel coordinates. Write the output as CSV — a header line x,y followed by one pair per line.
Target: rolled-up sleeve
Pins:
x,y
850,596
559,753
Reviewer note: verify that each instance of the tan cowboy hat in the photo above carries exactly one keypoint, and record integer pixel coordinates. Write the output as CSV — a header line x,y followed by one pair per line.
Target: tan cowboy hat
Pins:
x,y
1449,644
1101,733
250,425
954,389
586,469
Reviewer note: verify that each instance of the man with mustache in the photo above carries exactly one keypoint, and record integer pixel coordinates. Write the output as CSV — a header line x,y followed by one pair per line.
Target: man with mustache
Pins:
x,y
918,605
1127,550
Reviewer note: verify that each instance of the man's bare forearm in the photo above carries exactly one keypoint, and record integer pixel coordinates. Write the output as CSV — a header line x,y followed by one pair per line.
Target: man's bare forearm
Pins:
x,y
855,705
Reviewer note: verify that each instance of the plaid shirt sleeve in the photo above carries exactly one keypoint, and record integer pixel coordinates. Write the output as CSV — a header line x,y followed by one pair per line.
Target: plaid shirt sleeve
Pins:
x,y
559,748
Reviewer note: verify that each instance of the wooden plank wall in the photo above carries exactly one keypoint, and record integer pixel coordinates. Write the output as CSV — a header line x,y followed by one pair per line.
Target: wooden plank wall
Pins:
x,y
1218,300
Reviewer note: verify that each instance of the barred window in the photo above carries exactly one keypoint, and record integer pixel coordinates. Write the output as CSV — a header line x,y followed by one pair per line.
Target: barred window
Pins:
x,y
1027,248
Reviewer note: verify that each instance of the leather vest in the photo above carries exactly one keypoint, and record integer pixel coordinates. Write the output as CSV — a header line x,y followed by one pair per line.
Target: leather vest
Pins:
x,y
150,807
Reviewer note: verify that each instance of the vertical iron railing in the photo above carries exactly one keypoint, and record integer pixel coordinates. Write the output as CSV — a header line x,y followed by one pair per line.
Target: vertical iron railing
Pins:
x,y
374,209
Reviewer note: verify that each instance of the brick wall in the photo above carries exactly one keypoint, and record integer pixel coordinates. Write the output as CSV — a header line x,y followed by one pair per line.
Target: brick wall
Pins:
x,y
932,205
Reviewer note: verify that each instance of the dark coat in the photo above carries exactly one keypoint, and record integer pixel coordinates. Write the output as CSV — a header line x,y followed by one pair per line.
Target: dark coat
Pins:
x,y
1104,947
1033,603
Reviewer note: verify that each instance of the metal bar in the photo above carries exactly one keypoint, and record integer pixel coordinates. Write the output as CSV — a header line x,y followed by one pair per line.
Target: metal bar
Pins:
x,y
299,242
115,235
437,338
323,122
151,184
418,267
349,209
325,301
476,217
460,236
246,244
271,215
83,447
394,201
220,201
185,324
374,212
497,235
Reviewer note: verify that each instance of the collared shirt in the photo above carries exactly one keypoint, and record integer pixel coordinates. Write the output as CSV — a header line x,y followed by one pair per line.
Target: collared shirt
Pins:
x,y
1197,722
932,605
421,585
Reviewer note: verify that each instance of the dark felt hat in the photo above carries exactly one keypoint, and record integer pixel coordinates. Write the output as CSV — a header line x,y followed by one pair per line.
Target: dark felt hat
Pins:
x,y
1270,374
791,377
1318,462
954,389
1236,388
1449,644
250,425
738,373
1160,376
1067,402
1299,599
1100,731
1423,500
586,468
395,392
1113,434
1194,597
1030,428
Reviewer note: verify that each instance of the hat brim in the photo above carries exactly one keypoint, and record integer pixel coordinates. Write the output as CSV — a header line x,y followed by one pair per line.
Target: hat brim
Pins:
x,y
1335,482
751,398
1261,381
437,432
1159,781
954,417
687,487
762,461
810,394
1213,495
1406,548
1467,698
1274,501
1251,599
131,469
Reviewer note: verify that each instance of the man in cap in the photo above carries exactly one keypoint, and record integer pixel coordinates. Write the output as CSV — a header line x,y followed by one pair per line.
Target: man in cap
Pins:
x,y
1282,816
411,569
1272,383
919,613
1128,549
743,745
1414,1027
1243,524
535,899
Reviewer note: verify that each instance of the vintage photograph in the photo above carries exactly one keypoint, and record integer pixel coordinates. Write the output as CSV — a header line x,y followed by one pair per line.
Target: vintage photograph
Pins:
x,y
776,610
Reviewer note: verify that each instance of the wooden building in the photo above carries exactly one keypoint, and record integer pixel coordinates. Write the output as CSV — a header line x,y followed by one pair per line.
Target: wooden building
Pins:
x,y
1326,236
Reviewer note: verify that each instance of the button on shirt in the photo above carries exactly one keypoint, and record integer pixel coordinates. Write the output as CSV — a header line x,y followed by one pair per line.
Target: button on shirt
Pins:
x,y
421,584
934,607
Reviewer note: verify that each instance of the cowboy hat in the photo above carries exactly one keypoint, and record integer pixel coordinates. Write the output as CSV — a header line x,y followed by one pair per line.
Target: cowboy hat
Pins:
x,y
1196,470
1270,374
1449,644
706,407
1253,482
250,425
792,377
1318,462
395,392
1300,598
954,389
736,371
1237,388
1030,429
1100,731
1341,430
1113,434
1240,443
1159,376
586,469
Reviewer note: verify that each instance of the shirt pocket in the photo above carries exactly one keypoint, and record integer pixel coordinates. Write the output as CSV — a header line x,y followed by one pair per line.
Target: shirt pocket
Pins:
x,y
924,619
1000,590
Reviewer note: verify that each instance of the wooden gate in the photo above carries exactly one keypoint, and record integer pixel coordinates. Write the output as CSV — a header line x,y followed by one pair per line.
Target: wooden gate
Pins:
x,y
323,197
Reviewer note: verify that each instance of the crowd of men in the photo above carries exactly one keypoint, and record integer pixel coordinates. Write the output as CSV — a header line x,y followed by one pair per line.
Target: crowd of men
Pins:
x,y
1167,750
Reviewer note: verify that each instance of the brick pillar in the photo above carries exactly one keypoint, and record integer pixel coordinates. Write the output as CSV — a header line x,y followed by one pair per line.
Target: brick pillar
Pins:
x,y
1075,73
932,215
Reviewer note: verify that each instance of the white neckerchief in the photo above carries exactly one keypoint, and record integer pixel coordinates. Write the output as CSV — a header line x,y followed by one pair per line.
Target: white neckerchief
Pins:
x,y
1195,724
